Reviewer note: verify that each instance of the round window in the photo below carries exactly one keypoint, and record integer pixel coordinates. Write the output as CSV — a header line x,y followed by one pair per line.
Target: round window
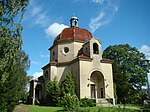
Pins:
x,y
53,53
66,49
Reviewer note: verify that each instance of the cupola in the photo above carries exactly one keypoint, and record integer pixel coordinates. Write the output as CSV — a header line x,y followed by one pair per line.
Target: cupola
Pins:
x,y
74,33
74,22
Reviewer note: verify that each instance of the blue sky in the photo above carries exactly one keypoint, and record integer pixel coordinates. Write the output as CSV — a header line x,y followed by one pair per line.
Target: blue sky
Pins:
x,y
112,21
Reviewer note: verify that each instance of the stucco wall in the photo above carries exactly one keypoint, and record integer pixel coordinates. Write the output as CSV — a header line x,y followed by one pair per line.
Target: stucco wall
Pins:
x,y
59,72
92,55
107,69
77,47
61,56
86,69
82,69
54,53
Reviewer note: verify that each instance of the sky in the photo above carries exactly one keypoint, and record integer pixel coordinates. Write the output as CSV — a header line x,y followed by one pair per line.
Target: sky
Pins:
x,y
112,21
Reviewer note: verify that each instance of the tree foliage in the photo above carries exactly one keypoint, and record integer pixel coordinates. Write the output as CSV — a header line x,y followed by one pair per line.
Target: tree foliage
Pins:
x,y
62,94
86,102
52,93
130,70
67,85
68,99
13,60
70,102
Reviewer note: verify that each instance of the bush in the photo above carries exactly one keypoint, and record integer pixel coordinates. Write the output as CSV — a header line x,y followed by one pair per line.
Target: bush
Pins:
x,y
67,85
85,102
52,93
70,102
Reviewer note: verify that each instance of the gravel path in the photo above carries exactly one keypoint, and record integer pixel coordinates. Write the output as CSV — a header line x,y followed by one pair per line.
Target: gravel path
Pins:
x,y
21,108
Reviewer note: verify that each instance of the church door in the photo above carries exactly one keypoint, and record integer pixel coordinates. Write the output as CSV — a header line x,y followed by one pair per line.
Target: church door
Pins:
x,y
97,86
93,94
102,93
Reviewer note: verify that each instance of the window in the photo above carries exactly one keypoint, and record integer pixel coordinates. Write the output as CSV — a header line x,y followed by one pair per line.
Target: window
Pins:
x,y
93,91
53,53
86,50
66,49
46,74
95,48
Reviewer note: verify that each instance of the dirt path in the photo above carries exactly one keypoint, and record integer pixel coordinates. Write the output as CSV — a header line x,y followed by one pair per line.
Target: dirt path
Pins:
x,y
21,108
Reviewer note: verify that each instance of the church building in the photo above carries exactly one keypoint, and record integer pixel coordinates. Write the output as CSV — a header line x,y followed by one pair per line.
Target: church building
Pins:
x,y
75,50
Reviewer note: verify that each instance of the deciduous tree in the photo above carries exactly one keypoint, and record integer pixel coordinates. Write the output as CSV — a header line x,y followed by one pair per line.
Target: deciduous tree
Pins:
x,y
130,70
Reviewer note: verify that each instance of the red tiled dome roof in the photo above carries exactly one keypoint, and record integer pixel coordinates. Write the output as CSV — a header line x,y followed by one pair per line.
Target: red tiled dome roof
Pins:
x,y
73,34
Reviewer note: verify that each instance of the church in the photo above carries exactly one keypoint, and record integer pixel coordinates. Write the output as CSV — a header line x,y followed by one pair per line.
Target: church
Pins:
x,y
75,50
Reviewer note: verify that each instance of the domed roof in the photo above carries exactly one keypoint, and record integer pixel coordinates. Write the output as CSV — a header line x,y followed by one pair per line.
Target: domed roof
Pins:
x,y
73,34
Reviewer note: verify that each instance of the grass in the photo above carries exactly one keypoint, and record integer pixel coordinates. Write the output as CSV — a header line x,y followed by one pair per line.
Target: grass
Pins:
x,y
86,109
43,109
35,108
108,109
130,105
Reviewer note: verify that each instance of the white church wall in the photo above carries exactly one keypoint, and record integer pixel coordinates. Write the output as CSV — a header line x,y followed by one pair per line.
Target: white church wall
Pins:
x,y
54,53
107,69
86,49
63,55
59,72
92,55
85,68
53,72
77,46
74,67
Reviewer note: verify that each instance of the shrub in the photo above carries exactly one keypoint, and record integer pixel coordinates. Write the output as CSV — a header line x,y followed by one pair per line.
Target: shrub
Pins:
x,y
67,85
52,93
70,102
85,102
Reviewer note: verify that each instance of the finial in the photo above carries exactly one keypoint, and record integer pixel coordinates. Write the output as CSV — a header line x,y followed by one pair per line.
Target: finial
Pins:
x,y
74,21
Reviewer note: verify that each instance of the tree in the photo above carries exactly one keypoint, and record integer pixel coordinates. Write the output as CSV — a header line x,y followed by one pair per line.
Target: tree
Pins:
x,y
67,85
70,103
13,60
52,93
130,70
68,99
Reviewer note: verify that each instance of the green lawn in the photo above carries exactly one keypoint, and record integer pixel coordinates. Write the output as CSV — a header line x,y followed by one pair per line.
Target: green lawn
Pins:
x,y
87,109
43,109
130,105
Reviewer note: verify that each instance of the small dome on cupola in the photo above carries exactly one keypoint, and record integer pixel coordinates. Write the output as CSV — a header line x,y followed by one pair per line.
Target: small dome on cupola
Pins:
x,y
74,22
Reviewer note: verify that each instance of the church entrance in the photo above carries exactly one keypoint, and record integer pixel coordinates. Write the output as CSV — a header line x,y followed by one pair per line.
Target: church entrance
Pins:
x,y
93,90
97,85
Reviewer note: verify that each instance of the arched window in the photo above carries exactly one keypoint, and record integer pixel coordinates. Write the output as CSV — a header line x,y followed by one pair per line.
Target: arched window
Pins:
x,y
95,48
53,55
46,74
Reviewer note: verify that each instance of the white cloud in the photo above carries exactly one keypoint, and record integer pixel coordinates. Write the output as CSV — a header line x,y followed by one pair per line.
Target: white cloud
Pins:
x,y
54,29
33,8
98,1
98,22
42,19
146,50
37,74
34,62
36,14
44,56
105,15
